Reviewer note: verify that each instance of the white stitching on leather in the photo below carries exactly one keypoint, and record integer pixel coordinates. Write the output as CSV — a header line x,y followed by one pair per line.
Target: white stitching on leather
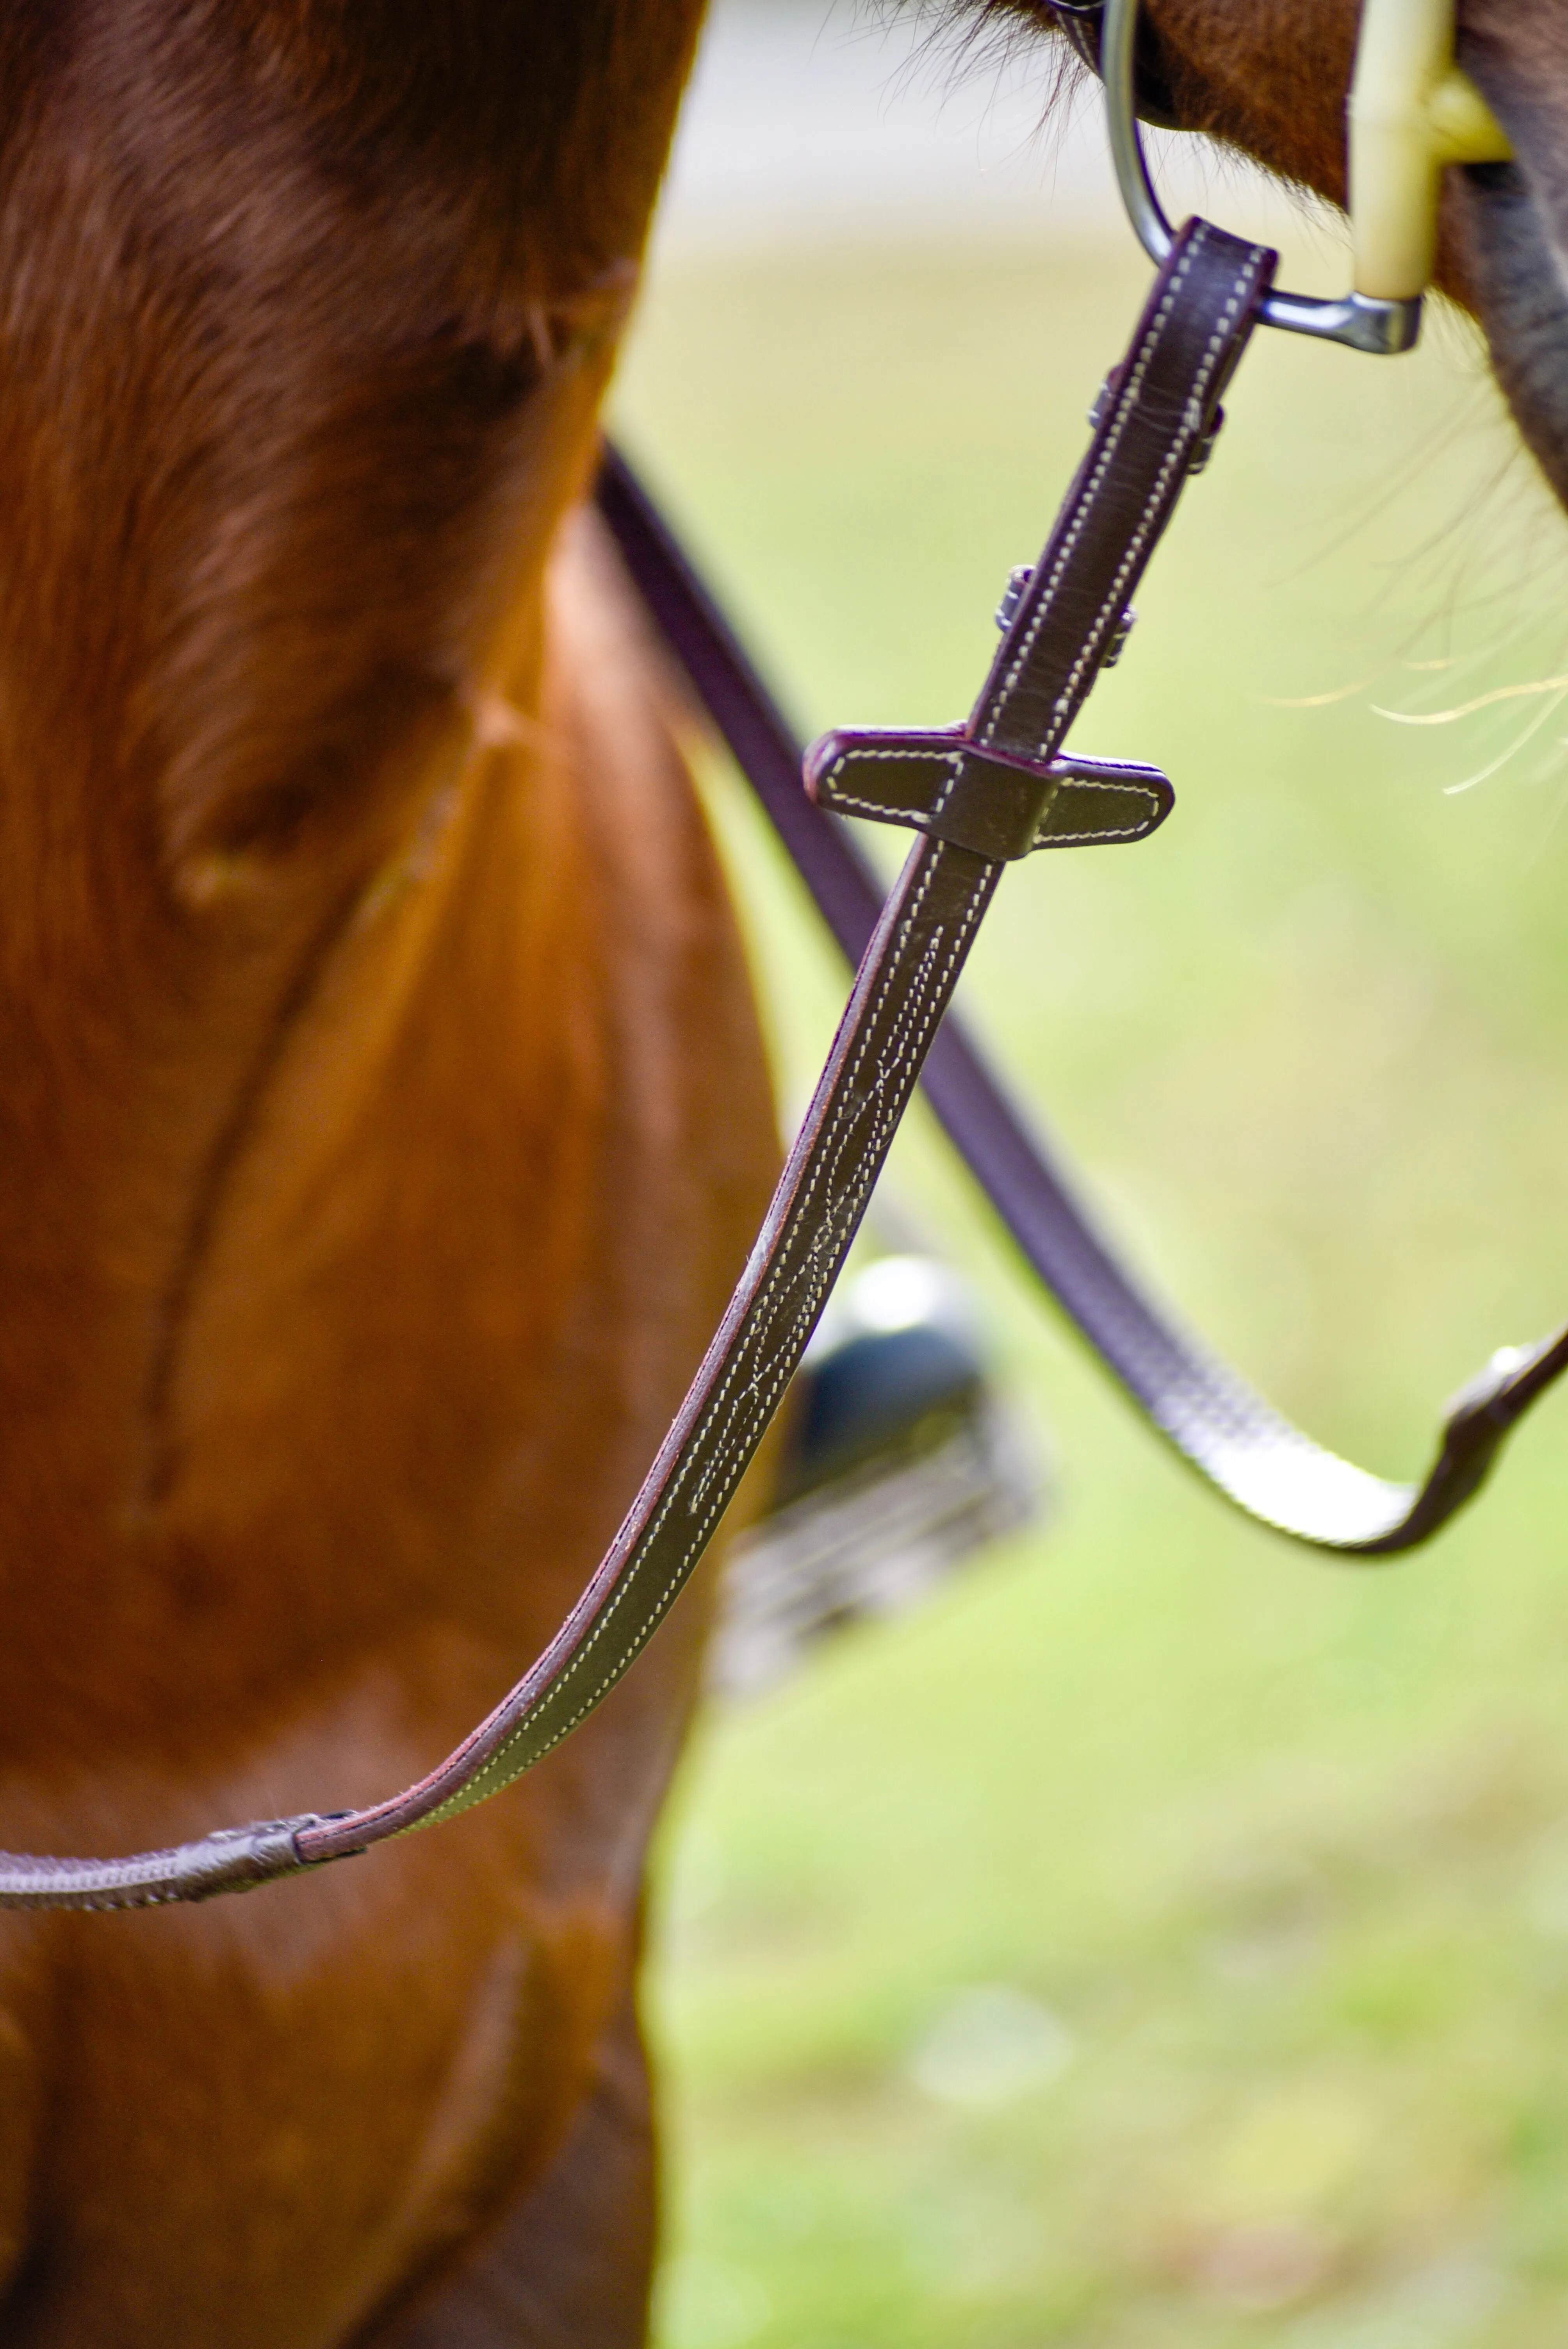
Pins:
x,y
723,1470
917,819
1126,401
831,1149
1175,459
827,1166
948,788
1047,839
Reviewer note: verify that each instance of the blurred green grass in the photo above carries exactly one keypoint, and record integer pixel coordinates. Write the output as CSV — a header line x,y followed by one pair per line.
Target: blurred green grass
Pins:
x,y
1164,1940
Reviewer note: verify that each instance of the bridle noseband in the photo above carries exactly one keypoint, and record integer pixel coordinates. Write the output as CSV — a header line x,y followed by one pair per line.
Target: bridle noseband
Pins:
x,y
979,795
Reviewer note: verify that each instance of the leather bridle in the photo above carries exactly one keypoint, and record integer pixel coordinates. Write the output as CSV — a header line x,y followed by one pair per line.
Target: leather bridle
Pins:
x,y
977,796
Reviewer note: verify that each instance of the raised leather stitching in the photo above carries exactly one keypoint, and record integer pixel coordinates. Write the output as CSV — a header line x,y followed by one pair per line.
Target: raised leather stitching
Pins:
x,y
830,1146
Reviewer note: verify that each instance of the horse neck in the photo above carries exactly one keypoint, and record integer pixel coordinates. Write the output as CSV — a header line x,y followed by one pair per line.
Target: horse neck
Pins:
x,y
304,359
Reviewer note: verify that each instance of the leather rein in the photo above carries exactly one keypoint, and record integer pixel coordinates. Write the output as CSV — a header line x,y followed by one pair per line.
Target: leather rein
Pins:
x,y
978,796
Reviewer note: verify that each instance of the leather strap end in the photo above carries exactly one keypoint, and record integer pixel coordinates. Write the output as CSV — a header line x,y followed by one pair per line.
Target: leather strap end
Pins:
x,y
235,1859
1477,1424
999,807
1099,802
1503,1390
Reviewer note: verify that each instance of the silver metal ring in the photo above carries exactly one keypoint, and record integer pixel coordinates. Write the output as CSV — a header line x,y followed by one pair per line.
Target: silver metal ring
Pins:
x,y
1376,326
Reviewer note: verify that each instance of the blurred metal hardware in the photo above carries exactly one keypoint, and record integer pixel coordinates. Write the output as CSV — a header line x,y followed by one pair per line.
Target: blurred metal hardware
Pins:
x,y
1411,113
901,1464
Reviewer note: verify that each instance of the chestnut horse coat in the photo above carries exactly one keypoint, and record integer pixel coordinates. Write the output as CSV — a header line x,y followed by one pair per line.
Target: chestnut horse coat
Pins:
x,y
382,1123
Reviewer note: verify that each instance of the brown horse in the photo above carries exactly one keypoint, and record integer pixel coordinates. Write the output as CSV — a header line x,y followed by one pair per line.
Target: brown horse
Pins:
x,y
384,1123
384,1115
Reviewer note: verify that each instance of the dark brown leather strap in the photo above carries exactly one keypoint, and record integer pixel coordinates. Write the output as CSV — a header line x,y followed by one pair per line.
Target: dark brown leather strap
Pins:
x,y
1155,421
1247,1451
1196,324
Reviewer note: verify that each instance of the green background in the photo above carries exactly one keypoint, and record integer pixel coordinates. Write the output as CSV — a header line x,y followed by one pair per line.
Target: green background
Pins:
x,y
1162,1938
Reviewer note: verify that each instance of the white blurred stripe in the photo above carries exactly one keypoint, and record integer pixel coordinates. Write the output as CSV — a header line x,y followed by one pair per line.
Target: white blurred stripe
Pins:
x,y
808,123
